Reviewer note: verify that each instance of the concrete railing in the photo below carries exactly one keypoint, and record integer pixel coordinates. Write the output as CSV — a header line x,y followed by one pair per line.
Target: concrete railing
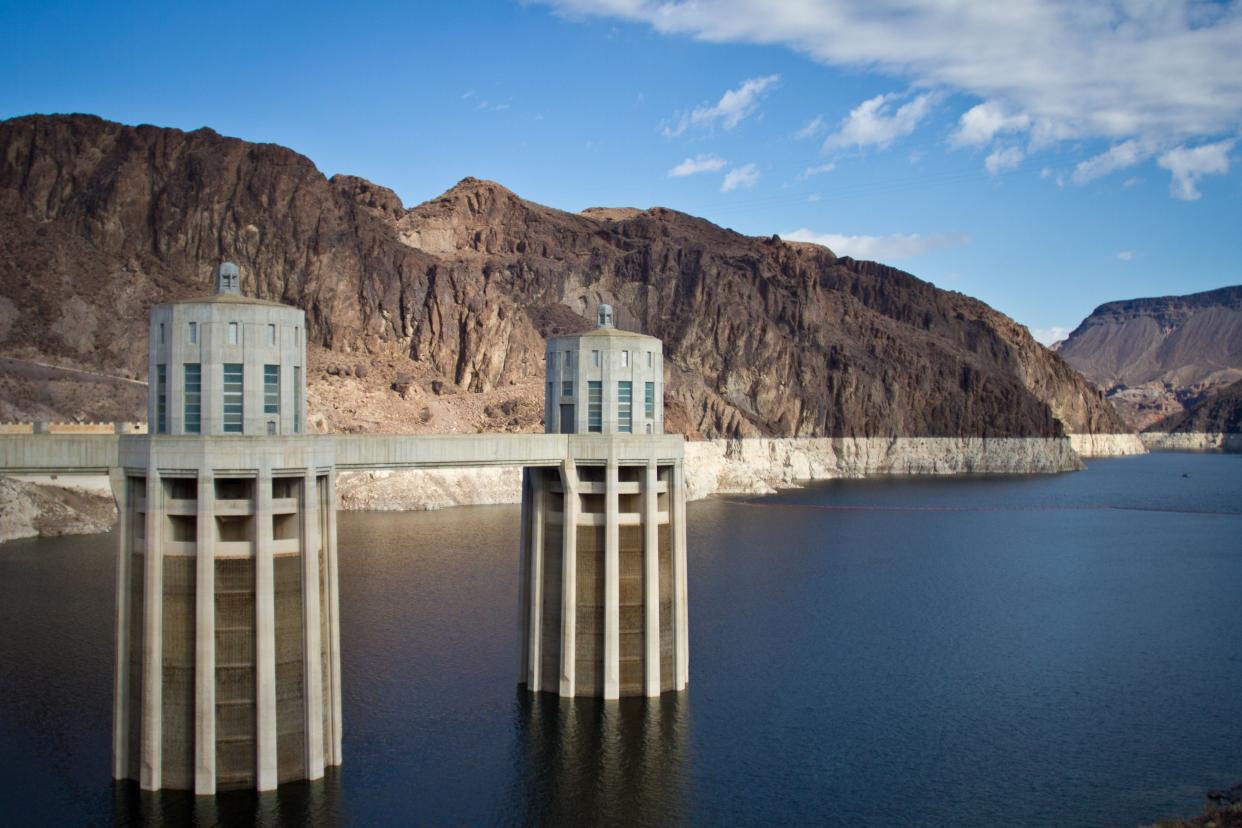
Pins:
x,y
58,453
52,453
43,427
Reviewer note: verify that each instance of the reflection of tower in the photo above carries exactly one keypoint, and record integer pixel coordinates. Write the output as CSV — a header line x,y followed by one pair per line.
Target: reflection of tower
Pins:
x,y
228,664
605,535
582,761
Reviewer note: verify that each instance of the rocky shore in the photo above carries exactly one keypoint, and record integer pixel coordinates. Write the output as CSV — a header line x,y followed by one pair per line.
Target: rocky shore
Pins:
x,y
30,510
752,466
1107,445
1192,441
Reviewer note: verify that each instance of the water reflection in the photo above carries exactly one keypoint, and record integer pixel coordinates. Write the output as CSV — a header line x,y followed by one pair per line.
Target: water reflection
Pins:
x,y
293,804
588,761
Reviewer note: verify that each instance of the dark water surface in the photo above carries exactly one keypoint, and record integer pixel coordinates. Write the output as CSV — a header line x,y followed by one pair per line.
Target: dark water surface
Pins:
x,y
1045,650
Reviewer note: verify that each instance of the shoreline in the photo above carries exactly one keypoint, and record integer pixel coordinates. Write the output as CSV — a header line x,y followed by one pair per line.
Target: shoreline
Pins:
x,y
761,465
1216,441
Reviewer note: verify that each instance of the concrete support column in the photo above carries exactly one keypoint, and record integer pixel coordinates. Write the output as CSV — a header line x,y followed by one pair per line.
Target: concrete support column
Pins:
x,y
120,675
524,584
535,648
569,579
265,633
153,638
205,638
612,584
681,615
334,620
312,645
651,581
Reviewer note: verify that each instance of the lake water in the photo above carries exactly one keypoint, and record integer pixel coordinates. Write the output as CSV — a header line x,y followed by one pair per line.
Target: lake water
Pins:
x,y
1042,650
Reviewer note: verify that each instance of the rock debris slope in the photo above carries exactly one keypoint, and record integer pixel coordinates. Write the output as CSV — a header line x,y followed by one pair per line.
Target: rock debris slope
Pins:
x,y
444,307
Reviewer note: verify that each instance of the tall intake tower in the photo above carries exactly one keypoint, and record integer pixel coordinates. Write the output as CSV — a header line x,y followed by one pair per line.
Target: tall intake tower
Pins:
x,y
227,659
603,586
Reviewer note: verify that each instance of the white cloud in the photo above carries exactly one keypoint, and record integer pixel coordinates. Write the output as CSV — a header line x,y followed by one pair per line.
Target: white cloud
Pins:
x,y
1132,181
1187,165
1003,158
1125,255
819,169
1113,70
744,177
1157,76
880,248
814,197
697,164
1050,336
875,121
1117,157
979,124
734,106
813,127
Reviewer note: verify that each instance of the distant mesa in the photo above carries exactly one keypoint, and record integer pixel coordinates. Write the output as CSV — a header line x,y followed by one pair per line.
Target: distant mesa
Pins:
x,y
1158,357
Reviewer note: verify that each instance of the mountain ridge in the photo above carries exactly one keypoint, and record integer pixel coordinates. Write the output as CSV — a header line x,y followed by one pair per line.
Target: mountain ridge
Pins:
x,y
445,305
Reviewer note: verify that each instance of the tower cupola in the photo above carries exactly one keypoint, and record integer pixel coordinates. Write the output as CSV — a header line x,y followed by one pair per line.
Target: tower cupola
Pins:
x,y
228,279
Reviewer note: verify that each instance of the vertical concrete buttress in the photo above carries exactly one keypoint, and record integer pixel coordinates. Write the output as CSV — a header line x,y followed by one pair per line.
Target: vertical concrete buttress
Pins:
x,y
153,638
205,638
265,634
681,593
569,578
334,625
535,611
120,677
524,583
612,583
651,580
312,642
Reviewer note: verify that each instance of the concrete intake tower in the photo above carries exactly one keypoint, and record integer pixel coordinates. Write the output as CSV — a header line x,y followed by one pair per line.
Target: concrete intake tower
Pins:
x,y
227,621
603,577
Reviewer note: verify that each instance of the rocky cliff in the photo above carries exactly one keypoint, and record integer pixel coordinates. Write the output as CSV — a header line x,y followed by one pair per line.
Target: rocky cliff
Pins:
x,y
1157,357
434,318
1217,413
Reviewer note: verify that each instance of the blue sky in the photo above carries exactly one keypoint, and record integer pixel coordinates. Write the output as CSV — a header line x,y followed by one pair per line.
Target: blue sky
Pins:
x,y
1044,157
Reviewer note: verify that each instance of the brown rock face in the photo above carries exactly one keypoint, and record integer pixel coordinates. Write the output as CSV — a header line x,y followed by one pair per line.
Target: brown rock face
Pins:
x,y
763,337
1159,357
1217,413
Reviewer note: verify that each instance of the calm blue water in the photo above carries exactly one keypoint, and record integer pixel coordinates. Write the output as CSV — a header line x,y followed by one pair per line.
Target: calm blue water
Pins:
x,y
1062,650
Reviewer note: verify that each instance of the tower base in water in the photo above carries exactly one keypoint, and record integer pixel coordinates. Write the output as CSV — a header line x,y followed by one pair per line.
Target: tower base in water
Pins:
x,y
603,583
227,622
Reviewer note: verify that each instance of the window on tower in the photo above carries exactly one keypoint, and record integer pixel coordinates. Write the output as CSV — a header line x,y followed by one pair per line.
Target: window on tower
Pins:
x,y
234,382
595,406
271,389
193,398
625,406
